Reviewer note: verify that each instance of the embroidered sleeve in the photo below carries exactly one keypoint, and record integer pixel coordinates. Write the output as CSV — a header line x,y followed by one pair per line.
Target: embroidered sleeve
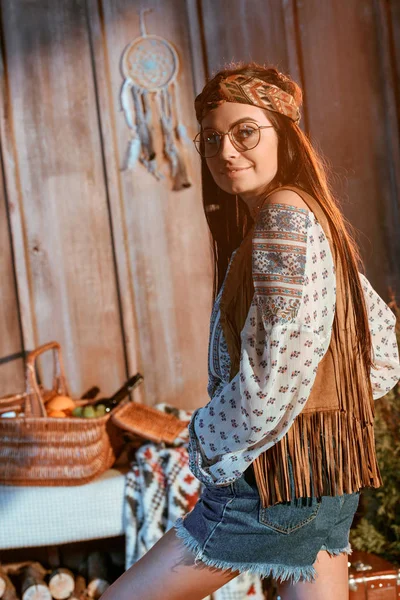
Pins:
x,y
286,334
382,323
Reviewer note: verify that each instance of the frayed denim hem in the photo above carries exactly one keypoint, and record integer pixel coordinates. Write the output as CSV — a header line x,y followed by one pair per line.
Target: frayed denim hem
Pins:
x,y
336,551
277,572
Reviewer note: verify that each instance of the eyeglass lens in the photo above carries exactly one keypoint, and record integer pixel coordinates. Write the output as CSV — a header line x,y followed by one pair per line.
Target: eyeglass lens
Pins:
x,y
245,136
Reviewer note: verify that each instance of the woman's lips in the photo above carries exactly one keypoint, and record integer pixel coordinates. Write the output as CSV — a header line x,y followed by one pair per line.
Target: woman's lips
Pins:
x,y
236,172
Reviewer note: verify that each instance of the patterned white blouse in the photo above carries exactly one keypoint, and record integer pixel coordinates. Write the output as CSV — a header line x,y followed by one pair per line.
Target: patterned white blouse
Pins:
x,y
286,334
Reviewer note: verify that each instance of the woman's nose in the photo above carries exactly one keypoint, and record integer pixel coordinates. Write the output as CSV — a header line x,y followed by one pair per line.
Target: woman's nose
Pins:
x,y
227,148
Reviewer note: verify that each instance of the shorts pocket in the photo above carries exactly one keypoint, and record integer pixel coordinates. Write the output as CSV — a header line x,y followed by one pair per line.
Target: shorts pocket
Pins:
x,y
287,517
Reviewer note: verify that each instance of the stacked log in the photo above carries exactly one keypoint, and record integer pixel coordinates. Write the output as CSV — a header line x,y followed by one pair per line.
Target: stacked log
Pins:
x,y
7,590
98,574
61,584
33,584
31,581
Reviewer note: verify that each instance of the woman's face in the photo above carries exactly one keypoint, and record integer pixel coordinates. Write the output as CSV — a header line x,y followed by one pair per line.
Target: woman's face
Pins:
x,y
256,167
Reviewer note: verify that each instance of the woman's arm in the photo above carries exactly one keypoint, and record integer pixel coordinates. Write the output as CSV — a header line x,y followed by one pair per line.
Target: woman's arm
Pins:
x,y
382,324
286,334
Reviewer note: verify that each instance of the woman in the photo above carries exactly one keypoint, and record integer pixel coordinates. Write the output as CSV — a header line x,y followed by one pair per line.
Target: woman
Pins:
x,y
286,442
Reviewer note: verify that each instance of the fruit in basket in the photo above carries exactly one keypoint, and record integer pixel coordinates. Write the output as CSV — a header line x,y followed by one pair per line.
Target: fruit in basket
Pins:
x,y
77,412
101,410
89,412
64,403
56,413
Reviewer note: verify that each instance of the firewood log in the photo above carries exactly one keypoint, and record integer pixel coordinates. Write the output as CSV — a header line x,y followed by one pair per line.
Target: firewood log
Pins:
x,y
98,574
15,568
61,583
33,586
7,590
79,592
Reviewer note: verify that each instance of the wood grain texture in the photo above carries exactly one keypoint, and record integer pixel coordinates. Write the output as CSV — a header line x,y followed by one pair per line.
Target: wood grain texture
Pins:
x,y
11,346
11,363
101,66
59,213
388,80
294,51
244,30
197,45
161,237
393,8
347,115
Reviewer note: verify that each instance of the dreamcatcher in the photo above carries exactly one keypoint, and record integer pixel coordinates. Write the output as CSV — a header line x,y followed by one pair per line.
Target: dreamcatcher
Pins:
x,y
150,67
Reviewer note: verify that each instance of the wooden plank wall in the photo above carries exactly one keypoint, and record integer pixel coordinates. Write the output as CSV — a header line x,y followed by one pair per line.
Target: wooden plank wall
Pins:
x,y
168,251
112,263
60,221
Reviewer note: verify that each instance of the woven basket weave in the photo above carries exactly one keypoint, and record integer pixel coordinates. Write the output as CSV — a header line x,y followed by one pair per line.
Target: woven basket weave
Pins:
x,y
40,450
148,422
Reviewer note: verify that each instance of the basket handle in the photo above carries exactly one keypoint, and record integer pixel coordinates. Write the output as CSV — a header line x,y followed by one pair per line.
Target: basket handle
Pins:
x,y
34,405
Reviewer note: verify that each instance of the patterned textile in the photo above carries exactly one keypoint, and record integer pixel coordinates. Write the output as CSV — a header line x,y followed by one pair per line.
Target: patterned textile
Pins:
x,y
159,489
219,361
246,90
279,263
286,334
386,354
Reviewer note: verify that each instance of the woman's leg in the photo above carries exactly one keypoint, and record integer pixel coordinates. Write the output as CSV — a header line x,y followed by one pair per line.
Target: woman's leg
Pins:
x,y
167,571
330,584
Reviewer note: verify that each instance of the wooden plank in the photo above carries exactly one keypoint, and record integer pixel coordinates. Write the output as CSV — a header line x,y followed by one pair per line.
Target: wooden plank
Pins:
x,y
163,254
104,93
197,45
11,347
393,7
292,37
295,57
347,116
235,31
54,174
14,197
388,81
11,350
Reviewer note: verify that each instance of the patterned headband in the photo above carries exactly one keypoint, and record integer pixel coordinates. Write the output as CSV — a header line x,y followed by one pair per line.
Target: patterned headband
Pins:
x,y
247,90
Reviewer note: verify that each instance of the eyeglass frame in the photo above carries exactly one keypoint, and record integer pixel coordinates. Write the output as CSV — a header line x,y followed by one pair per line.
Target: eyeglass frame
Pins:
x,y
229,133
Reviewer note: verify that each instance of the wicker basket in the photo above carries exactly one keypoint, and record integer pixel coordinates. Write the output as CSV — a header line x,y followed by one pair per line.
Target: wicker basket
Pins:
x,y
40,450
148,422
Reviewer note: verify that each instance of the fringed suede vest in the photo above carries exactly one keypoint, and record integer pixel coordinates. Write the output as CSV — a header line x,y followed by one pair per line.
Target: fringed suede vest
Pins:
x,y
331,442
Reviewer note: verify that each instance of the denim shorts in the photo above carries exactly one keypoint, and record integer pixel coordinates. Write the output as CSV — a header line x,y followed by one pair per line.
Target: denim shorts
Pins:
x,y
229,529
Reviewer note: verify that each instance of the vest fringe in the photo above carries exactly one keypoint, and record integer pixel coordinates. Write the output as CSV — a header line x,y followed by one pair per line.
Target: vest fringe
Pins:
x,y
327,450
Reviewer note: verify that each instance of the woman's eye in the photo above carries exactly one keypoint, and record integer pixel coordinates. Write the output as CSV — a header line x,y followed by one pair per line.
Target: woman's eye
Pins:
x,y
245,132
211,138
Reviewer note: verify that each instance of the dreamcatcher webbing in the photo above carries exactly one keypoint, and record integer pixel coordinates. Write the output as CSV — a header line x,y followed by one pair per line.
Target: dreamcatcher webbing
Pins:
x,y
150,67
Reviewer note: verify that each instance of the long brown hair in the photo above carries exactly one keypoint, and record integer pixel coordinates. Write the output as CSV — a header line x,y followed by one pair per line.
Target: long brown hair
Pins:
x,y
299,164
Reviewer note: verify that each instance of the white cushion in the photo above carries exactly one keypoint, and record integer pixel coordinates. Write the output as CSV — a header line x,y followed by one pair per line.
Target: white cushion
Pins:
x,y
41,516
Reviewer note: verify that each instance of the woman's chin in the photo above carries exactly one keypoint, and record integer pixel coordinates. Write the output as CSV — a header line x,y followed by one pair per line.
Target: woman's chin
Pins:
x,y
234,187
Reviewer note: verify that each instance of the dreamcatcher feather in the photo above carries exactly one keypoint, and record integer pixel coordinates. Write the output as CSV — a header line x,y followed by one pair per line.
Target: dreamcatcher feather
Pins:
x,y
150,66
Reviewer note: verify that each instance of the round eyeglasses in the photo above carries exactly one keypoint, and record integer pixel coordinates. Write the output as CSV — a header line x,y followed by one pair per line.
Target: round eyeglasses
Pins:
x,y
244,136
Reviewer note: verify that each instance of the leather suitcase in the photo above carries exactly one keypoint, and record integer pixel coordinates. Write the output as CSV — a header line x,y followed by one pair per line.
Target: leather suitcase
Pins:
x,y
372,578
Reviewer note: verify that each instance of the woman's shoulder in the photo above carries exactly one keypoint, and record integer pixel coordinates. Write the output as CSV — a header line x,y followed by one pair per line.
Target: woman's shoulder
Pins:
x,y
284,210
288,197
